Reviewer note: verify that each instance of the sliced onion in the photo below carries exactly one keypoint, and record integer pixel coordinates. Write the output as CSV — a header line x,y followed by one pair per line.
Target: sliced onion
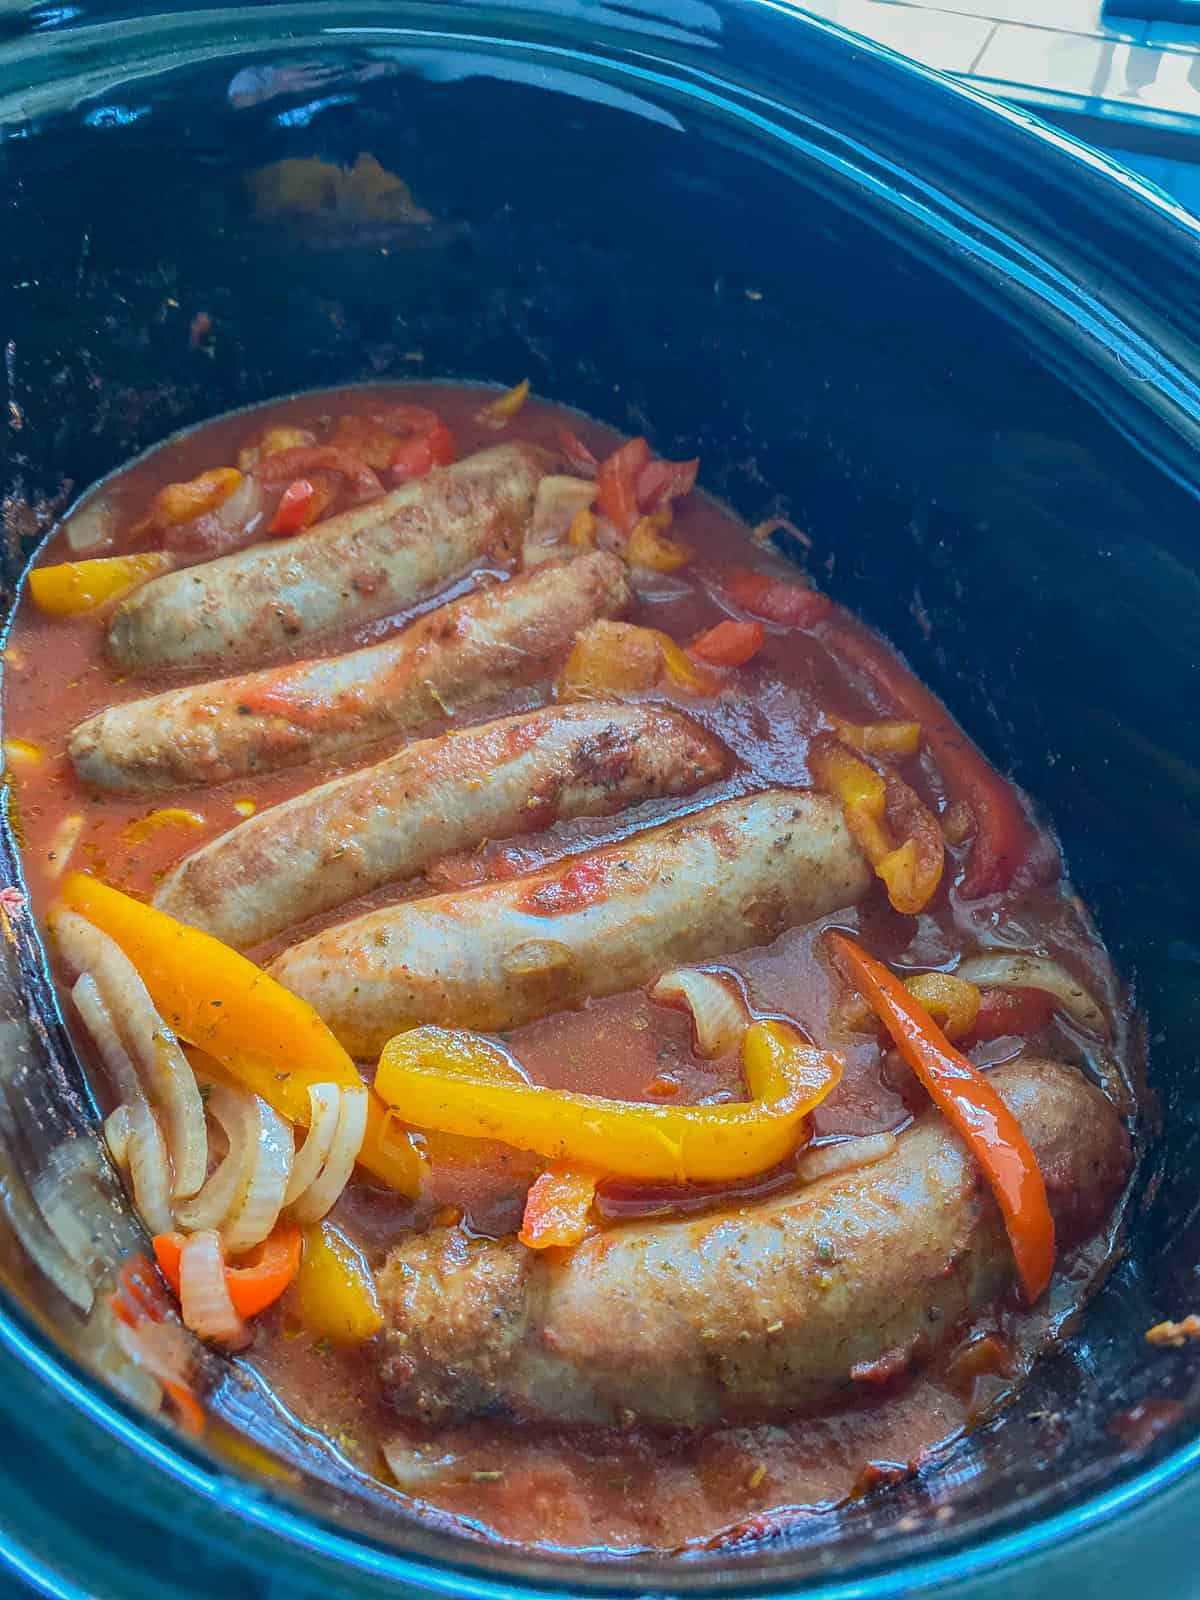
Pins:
x,y
720,1019
149,1170
161,1063
325,1104
832,1159
1037,972
321,1195
92,525
554,507
62,844
204,1299
144,1152
417,1466
244,1196
42,1245
136,1145
118,1129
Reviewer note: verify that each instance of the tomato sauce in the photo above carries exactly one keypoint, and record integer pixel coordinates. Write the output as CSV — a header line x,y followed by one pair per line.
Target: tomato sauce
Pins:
x,y
592,1488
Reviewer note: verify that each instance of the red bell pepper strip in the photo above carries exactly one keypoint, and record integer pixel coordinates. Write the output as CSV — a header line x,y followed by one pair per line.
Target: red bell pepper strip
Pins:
x,y
1009,1009
557,1208
971,1106
616,484
284,465
661,481
729,644
261,1278
295,509
425,441
791,605
1005,839
577,453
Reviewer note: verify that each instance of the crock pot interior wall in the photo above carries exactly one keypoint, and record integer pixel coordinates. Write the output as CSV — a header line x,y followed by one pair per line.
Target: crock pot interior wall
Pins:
x,y
636,261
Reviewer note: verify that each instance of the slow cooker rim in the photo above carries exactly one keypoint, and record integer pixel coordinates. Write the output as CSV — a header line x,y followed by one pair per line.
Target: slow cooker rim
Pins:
x,y
161,1448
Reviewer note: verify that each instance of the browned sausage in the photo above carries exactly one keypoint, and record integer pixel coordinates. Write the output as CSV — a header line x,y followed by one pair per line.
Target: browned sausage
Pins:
x,y
366,563
751,1313
392,820
459,655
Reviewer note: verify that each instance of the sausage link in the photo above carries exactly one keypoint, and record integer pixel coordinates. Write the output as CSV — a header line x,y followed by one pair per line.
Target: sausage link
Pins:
x,y
747,1314
392,820
461,654
364,564
721,879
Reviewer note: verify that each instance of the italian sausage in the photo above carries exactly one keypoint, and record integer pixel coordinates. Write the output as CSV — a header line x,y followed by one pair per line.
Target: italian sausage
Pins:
x,y
461,654
356,567
392,820
726,877
751,1313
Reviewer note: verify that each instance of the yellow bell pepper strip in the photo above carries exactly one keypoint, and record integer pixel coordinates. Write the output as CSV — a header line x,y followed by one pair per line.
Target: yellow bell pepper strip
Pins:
x,y
952,1002
447,1081
650,545
505,407
23,753
1005,839
581,535
334,1293
557,1208
264,1037
165,817
971,1106
887,737
75,587
610,658
895,830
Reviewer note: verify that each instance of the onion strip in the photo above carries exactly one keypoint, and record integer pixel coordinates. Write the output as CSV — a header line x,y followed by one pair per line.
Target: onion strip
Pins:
x,y
1007,970
831,1160
719,1019
325,1100
321,1195
143,1150
244,1196
204,1299
161,1064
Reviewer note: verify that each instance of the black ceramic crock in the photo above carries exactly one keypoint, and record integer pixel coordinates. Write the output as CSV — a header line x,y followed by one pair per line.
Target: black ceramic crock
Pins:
x,y
958,349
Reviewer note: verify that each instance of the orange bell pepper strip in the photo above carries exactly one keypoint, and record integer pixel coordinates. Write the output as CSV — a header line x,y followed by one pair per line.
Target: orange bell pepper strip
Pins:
x,y
895,830
610,658
616,484
184,502
257,1282
557,1208
1005,839
448,1081
729,644
264,1037
74,587
971,1106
